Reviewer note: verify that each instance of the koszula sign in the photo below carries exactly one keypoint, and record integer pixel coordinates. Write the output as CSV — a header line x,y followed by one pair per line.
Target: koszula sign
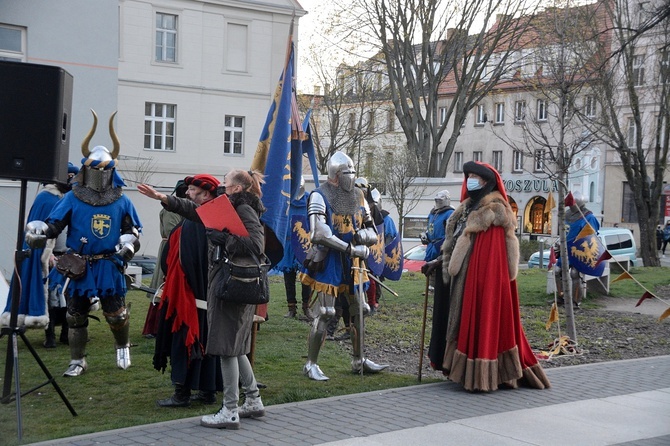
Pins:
x,y
531,185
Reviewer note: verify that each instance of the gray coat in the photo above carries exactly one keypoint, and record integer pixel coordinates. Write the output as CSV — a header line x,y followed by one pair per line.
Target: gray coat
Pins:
x,y
230,324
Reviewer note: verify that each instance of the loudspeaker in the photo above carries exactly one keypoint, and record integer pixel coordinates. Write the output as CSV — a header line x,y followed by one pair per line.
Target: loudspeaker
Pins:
x,y
35,110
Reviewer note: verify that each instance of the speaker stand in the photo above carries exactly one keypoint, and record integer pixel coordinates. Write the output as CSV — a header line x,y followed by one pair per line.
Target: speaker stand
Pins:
x,y
13,332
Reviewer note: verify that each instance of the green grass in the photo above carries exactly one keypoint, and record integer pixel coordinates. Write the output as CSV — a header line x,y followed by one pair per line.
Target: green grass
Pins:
x,y
107,398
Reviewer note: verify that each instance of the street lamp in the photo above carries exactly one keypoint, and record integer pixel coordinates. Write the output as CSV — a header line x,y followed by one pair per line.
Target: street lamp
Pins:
x,y
541,252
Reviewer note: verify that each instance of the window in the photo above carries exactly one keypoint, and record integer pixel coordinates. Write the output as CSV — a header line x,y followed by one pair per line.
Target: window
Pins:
x,y
458,161
443,115
390,117
12,43
500,113
476,155
590,106
664,61
159,126
496,160
631,139
628,211
369,163
638,70
352,122
233,135
539,160
237,43
519,111
541,110
518,161
481,115
166,37
371,121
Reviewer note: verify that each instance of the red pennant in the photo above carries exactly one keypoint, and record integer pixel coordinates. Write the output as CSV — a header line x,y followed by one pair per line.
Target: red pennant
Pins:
x,y
646,295
606,256
552,258
569,200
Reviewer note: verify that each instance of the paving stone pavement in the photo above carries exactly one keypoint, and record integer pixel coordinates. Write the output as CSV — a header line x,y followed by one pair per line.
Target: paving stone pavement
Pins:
x,y
619,402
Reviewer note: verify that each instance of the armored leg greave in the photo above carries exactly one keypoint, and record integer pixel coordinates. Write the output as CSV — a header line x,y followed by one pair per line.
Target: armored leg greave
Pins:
x,y
119,324
577,286
317,336
77,338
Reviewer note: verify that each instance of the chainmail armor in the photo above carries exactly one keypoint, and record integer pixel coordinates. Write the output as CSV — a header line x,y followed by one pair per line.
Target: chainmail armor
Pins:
x,y
89,196
342,202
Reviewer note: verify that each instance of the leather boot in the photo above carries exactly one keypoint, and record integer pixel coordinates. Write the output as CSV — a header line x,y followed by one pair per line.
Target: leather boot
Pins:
x,y
50,334
63,333
307,311
180,398
292,311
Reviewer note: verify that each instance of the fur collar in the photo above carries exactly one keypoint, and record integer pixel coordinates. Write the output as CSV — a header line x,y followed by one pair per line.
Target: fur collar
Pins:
x,y
493,210
248,198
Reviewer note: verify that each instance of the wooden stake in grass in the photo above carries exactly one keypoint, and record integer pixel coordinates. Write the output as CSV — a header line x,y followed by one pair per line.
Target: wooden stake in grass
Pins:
x,y
423,325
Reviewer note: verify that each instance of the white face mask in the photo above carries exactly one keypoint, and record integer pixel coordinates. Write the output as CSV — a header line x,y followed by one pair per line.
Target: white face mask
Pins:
x,y
473,184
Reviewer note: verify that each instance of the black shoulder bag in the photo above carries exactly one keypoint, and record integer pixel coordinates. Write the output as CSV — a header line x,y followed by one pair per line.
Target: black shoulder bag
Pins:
x,y
243,284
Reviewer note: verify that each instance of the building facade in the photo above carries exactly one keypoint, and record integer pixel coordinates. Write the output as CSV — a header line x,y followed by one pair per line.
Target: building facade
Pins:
x,y
192,82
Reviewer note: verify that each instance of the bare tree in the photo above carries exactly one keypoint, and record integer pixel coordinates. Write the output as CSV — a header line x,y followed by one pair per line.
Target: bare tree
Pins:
x,y
348,115
557,66
136,169
634,98
424,42
398,172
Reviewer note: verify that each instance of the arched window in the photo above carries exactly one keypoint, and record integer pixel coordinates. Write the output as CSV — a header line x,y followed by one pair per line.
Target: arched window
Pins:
x,y
592,192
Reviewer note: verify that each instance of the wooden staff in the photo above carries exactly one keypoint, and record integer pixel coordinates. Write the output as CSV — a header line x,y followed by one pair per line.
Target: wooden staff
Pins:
x,y
423,325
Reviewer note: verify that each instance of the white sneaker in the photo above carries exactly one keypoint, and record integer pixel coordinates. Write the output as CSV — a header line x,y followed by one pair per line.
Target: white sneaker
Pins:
x,y
252,408
223,419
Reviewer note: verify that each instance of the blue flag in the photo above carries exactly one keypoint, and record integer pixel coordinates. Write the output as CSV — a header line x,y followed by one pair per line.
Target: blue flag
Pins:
x,y
279,157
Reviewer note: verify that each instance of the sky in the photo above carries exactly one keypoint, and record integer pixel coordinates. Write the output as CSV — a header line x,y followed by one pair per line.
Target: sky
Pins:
x,y
307,29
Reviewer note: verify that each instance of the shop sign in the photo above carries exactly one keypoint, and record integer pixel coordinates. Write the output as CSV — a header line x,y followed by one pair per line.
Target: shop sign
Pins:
x,y
531,186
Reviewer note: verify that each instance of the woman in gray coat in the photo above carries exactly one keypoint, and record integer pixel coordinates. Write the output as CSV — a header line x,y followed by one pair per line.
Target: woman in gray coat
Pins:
x,y
230,324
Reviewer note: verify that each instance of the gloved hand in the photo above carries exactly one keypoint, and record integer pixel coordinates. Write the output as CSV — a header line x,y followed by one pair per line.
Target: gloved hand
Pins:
x,y
217,237
35,237
366,236
424,238
428,267
359,251
127,246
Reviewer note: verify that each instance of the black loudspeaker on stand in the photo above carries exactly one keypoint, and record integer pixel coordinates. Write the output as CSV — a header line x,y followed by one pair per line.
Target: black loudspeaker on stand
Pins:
x,y
35,107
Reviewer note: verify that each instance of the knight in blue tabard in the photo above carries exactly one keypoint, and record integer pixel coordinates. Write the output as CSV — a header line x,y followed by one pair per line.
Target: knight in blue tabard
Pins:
x,y
577,216
437,221
341,232
103,228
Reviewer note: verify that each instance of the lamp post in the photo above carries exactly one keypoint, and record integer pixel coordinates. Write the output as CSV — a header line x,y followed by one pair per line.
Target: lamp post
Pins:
x,y
541,252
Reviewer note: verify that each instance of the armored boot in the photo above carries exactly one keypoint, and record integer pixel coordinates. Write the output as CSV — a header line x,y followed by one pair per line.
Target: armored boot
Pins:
x,y
359,362
315,341
292,311
120,326
50,335
77,338
180,398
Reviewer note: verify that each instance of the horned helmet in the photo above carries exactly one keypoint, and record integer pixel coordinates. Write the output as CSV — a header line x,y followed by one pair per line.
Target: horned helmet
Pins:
x,y
98,164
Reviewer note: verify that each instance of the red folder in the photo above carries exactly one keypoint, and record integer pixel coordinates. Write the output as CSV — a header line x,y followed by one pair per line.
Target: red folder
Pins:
x,y
220,214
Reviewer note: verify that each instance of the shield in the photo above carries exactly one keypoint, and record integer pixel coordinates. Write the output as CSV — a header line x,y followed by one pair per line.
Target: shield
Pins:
x,y
393,261
375,260
300,236
583,254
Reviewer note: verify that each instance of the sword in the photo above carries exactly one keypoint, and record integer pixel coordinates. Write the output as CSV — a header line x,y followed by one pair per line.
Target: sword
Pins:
x,y
373,277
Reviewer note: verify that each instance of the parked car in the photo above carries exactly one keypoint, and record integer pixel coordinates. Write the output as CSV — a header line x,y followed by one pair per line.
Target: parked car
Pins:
x,y
618,241
413,258
147,263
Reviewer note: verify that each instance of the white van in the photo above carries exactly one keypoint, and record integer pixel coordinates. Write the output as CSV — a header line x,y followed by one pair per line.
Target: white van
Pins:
x,y
618,241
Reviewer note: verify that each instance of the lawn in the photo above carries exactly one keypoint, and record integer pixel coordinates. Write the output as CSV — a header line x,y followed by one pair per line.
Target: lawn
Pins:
x,y
107,398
